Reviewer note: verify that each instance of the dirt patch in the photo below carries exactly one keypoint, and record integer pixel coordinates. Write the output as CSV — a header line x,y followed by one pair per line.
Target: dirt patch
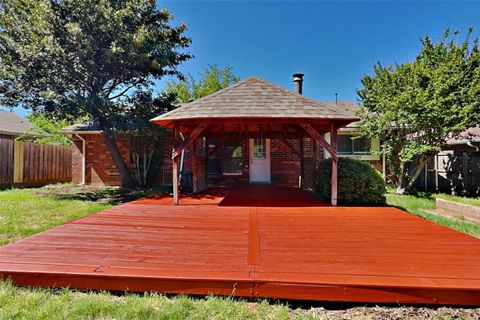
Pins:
x,y
391,313
102,194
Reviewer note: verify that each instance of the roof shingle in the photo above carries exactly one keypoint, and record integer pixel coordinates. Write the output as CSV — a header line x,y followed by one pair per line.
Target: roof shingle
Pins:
x,y
11,124
257,98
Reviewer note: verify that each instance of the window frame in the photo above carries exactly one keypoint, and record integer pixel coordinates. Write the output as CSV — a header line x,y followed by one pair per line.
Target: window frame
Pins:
x,y
220,155
353,152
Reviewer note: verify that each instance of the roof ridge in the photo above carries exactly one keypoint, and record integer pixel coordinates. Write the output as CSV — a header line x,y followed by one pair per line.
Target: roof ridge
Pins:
x,y
300,96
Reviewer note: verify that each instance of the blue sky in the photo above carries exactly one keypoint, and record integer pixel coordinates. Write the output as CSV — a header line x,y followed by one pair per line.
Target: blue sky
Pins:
x,y
333,43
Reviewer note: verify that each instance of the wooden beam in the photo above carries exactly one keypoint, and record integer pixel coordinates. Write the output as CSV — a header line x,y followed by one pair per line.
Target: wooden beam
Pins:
x,y
302,165
195,167
333,143
292,148
220,143
237,136
175,170
195,133
315,165
269,128
318,137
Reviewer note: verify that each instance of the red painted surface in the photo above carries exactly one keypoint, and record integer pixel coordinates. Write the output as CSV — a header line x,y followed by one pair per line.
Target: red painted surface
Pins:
x,y
211,244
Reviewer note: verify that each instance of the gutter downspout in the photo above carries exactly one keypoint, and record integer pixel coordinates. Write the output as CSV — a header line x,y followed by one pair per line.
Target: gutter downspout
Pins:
x,y
470,144
183,154
84,157
384,165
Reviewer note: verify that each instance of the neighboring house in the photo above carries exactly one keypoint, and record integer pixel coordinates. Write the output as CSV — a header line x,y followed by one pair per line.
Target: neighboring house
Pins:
x,y
289,160
12,126
352,145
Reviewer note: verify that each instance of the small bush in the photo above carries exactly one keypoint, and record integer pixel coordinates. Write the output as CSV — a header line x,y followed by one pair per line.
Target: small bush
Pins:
x,y
358,183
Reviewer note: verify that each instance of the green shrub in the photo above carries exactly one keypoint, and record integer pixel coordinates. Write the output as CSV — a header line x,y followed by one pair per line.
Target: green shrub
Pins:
x,y
358,183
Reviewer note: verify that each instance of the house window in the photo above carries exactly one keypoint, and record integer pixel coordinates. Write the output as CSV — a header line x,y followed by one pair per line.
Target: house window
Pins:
x,y
259,149
227,159
349,144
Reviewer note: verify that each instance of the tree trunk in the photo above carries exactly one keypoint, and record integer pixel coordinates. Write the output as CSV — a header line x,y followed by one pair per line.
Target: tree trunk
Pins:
x,y
127,181
401,178
417,172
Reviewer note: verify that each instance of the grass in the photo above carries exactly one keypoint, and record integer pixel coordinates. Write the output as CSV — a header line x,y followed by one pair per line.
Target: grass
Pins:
x,y
52,304
419,203
24,212
23,303
471,201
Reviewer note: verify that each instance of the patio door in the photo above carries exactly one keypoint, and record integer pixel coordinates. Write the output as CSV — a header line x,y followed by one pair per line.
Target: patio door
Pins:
x,y
260,160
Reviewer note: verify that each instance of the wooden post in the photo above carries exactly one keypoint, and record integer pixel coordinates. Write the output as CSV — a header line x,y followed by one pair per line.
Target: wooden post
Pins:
x,y
205,163
301,184
194,166
314,160
333,143
331,149
175,168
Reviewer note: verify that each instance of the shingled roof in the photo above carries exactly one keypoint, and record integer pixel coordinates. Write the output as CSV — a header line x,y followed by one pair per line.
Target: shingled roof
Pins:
x,y
257,98
11,124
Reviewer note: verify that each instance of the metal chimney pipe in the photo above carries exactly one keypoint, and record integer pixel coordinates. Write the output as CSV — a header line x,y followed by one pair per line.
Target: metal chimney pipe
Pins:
x,y
298,81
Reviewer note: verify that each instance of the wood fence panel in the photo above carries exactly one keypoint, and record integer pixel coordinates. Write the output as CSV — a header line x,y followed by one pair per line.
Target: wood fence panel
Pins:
x,y
48,164
18,168
6,161
450,172
23,163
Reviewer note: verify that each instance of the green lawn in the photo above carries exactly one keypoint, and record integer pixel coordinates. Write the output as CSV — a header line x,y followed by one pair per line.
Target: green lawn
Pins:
x,y
417,204
464,200
24,212
21,303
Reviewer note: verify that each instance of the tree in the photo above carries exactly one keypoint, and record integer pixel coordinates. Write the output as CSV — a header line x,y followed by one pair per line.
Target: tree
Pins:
x,y
416,106
211,80
144,140
47,130
76,58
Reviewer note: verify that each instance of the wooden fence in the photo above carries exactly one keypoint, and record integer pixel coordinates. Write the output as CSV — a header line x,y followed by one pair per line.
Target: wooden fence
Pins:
x,y
452,172
23,163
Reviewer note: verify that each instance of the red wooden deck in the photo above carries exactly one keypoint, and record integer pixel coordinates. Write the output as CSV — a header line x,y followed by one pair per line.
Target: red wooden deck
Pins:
x,y
301,249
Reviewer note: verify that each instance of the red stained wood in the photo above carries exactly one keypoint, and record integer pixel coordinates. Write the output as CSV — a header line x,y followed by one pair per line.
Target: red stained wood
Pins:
x,y
333,143
236,242
253,239
194,135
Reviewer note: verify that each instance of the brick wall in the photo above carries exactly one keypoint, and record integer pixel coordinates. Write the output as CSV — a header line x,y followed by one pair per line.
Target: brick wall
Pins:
x,y
99,165
100,169
312,154
285,164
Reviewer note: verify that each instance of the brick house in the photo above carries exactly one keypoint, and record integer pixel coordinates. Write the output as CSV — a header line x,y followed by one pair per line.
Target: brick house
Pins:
x,y
268,150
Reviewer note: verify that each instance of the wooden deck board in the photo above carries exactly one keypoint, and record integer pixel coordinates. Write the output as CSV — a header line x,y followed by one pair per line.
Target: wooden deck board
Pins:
x,y
294,252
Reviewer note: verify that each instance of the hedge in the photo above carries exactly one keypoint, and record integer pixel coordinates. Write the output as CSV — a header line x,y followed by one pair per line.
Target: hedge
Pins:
x,y
358,183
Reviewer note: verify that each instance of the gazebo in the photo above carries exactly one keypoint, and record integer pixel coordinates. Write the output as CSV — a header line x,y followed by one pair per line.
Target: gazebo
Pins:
x,y
257,110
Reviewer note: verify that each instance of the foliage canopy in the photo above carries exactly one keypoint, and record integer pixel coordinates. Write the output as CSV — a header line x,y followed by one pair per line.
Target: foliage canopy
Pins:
x,y
47,130
212,79
85,57
416,106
